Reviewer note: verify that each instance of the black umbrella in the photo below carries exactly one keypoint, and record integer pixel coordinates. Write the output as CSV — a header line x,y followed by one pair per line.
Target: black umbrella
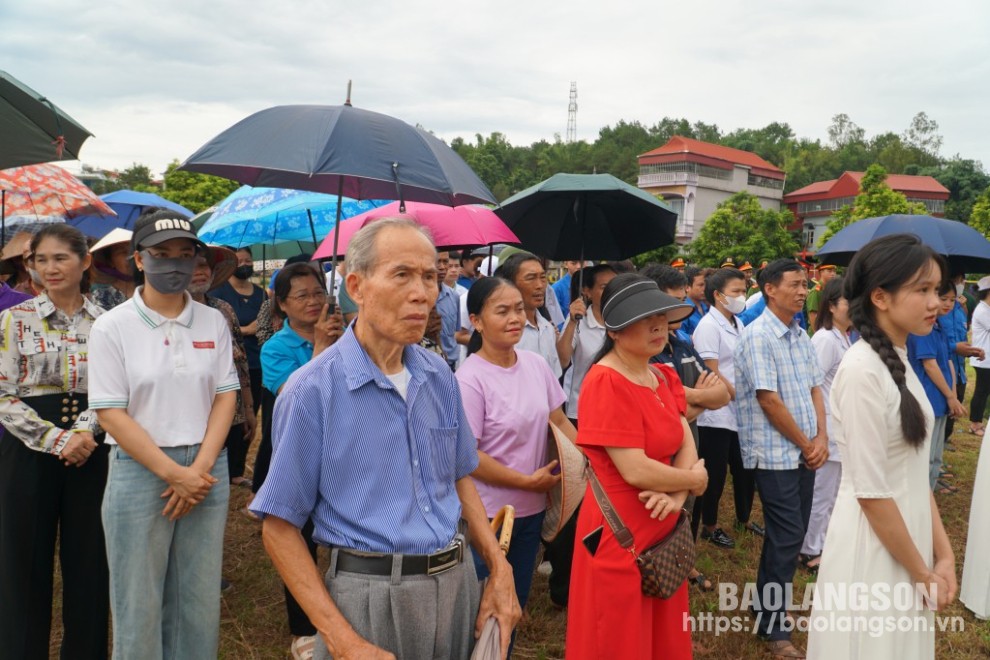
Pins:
x,y
340,150
588,216
33,129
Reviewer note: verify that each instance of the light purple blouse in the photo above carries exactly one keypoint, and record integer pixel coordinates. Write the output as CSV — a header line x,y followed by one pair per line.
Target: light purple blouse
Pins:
x,y
508,410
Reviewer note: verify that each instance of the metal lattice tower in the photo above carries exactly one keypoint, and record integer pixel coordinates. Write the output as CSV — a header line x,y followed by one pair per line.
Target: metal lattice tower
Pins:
x,y
572,114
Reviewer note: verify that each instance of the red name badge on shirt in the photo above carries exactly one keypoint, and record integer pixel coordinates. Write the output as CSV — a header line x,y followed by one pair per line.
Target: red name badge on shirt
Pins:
x,y
203,344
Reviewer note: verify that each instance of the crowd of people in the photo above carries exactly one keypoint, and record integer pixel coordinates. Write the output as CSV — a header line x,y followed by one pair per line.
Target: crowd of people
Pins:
x,y
402,410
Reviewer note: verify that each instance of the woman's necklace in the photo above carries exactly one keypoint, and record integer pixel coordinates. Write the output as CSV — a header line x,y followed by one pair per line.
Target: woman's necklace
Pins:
x,y
638,379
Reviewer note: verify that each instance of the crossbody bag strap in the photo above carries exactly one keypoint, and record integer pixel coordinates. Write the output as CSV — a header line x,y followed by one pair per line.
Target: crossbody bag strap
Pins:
x,y
661,375
619,529
689,503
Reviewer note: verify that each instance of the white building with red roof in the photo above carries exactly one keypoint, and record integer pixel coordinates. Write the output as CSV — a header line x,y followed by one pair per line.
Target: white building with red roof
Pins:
x,y
814,204
694,177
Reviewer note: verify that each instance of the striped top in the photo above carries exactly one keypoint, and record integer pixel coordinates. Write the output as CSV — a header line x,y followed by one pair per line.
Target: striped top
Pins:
x,y
778,358
374,471
164,372
43,351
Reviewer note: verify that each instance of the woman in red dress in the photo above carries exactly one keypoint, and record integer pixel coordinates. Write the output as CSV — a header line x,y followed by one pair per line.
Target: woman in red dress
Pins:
x,y
638,443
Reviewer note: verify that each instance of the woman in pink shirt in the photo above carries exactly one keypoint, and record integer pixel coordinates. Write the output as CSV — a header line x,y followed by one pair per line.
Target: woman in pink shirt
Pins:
x,y
509,396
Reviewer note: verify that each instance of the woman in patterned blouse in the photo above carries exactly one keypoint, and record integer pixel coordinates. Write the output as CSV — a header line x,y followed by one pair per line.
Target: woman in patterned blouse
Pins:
x,y
111,272
53,465
212,270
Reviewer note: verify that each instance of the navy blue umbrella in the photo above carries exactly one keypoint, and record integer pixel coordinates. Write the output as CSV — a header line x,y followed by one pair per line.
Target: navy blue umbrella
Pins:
x,y
343,150
965,248
340,150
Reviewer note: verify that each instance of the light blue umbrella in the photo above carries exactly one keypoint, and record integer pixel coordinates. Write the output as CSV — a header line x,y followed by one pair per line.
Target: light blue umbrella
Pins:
x,y
268,216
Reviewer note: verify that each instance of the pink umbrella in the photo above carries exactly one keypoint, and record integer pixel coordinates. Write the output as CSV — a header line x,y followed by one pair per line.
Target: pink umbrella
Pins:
x,y
451,226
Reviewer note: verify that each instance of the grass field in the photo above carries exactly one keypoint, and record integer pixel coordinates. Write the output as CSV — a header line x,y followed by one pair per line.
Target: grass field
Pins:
x,y
254,624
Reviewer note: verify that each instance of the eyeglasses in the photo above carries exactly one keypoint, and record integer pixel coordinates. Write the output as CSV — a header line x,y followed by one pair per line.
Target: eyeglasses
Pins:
x,y
317,296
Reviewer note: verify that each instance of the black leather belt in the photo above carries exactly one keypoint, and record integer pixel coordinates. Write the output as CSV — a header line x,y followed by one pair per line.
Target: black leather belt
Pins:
x,y
375,564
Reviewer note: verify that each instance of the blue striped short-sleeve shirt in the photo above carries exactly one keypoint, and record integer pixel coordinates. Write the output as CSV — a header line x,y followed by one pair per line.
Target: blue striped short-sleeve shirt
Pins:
x,y
374,471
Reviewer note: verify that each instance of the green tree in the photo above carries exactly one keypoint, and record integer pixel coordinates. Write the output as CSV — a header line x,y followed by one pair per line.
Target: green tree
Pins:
x,y
136,177
923,135
197,192
875,198
661,255
979,219
743,229
844,131
771,142
966,180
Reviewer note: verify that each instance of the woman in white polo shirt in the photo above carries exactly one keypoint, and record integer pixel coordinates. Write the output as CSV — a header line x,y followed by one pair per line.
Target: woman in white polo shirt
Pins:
x,y
715,340
163,382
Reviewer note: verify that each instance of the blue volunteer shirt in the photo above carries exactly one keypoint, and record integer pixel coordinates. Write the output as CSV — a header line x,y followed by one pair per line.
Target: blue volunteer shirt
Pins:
x,y
562,290
691,322
374,471
955,324
281,355
933,346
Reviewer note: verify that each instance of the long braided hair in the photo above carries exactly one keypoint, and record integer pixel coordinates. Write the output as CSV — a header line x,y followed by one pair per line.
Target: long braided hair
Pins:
x,y
889,263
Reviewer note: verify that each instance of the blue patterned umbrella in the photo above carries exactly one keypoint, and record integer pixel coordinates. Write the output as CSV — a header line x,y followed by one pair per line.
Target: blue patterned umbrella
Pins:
x,y
266,216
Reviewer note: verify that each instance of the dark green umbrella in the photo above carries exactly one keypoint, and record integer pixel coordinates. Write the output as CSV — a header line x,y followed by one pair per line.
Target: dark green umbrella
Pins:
x,y
33,129
588,216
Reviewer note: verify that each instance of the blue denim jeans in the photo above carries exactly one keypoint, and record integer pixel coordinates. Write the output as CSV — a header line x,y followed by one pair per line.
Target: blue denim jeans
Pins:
x,y
164,575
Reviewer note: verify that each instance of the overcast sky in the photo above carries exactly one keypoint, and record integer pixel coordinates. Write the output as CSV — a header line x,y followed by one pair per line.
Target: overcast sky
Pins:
x,y
154,81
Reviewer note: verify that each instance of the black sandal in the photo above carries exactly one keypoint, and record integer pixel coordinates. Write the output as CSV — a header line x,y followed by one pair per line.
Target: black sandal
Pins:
x,y
702,582
806,562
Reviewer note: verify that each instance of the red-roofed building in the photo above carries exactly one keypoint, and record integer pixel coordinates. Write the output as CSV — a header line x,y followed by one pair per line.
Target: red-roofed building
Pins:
x,y
814,205
695,176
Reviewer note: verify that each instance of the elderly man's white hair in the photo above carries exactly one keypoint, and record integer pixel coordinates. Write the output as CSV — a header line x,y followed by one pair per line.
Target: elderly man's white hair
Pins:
x,y
362,257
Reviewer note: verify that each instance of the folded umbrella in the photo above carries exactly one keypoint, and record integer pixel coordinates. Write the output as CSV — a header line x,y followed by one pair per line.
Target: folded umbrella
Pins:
x,y
489,645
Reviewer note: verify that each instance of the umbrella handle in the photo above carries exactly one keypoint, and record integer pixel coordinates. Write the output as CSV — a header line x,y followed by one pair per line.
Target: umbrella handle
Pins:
x,y
505,518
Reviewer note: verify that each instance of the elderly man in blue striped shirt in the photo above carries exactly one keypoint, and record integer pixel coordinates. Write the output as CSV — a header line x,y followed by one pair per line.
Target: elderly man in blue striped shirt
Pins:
x,y
372,443
781,417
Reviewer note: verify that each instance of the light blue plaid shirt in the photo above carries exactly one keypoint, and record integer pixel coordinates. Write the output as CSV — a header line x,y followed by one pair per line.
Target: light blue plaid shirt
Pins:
x,y
779,358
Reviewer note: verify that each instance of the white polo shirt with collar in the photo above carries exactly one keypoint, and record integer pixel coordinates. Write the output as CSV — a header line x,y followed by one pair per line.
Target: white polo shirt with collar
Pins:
x,y
542,339
164,372
715,338
589,336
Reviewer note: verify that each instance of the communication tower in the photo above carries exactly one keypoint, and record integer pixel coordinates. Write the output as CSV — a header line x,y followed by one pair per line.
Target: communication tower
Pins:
x,y
572,114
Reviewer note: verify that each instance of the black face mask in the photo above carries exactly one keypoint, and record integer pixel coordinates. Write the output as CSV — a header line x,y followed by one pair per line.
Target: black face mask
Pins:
x,y
244,272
